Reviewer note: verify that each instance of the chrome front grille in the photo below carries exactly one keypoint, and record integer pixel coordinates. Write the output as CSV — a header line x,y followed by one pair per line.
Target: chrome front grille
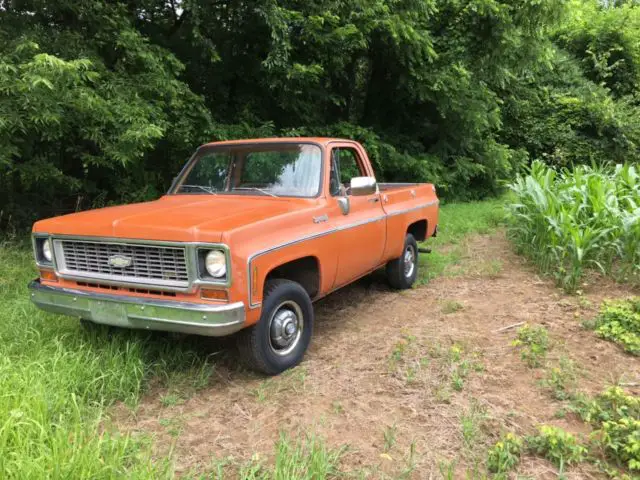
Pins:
x,y
147,263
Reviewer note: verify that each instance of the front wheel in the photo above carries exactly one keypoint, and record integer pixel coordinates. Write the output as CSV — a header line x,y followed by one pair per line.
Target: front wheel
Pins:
x,y
281,337
403,271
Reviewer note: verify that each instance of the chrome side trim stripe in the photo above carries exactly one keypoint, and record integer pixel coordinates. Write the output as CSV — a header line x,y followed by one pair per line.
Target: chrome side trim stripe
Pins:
x,y
419,207
317,235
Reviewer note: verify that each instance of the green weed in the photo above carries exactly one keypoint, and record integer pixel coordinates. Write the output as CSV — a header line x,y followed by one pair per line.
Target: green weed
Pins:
x,y
561,379
460,367
490,269
305,459
504,455
455,353
457,382
471,424
615,417
410,462
292,380
619,321
451,306
442,394
337,407
557,445
171,400
400,348
448,469
173,425
533,343
409,359
389,435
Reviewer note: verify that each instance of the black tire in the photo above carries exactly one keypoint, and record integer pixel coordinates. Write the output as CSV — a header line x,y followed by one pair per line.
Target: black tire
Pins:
x,y
400,275
260,345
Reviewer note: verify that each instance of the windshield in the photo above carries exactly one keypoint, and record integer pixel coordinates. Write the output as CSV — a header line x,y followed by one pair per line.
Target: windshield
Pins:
x,y
280,169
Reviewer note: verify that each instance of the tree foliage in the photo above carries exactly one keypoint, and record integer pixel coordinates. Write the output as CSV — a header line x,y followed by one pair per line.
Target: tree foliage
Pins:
x,y
103,101
90,109
583,106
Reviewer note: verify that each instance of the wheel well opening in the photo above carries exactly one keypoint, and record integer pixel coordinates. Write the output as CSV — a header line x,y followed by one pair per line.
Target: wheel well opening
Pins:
x,y
304,271
418,230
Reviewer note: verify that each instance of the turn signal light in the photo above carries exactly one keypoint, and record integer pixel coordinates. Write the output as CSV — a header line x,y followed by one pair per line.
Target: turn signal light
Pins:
x,y
48,275
210,294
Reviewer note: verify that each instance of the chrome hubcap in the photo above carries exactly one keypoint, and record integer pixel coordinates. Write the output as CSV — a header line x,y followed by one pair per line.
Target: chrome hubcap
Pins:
x,y
409,261
285,328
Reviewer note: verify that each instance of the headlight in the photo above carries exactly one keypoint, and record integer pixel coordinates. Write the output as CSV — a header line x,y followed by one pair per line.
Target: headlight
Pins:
x,y
46,250
216,263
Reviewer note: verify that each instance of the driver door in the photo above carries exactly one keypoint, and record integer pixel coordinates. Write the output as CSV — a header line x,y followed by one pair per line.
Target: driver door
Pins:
x,y
361,235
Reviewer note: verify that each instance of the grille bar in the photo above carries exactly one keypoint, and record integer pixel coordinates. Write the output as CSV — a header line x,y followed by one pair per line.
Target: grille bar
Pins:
x,y
141,263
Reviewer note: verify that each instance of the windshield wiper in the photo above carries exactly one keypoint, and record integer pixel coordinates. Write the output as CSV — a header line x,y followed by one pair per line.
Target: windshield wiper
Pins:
x,y
204,189
256,189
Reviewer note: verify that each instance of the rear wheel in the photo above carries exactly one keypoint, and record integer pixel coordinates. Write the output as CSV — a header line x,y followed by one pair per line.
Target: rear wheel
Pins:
x,y
281,337
403,271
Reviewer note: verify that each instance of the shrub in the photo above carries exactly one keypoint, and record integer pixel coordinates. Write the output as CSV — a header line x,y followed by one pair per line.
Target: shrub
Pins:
x,y
557,445
505,454
533,343
567,221
564,119
619,321
605,41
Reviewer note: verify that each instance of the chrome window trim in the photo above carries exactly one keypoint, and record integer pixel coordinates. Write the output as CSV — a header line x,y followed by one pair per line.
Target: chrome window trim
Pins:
x,y
191,259
312,236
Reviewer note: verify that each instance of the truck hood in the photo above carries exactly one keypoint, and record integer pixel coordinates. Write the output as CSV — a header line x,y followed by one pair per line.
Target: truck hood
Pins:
x,y
180,218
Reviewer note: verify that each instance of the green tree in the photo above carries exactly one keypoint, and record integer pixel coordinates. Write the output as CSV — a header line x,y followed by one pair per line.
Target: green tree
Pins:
x,y
90,110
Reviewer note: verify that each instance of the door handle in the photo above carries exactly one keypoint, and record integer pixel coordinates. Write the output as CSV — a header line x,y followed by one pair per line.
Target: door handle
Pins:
x,y
374,200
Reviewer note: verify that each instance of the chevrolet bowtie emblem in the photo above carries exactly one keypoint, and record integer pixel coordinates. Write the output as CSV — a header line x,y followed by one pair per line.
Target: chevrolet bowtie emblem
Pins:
x,y
120,261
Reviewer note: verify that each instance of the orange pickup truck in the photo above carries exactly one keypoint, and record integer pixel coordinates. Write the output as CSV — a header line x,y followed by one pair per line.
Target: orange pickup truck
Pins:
x,y
250,234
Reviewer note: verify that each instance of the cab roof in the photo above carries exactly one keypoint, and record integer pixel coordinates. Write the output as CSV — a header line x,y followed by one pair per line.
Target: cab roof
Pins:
x,y
319,140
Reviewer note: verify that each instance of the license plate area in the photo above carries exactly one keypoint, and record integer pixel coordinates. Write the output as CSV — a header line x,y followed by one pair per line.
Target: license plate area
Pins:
x,y
108,312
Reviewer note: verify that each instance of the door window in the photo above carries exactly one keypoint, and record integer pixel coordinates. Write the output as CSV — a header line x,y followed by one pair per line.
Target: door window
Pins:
x,y
345,165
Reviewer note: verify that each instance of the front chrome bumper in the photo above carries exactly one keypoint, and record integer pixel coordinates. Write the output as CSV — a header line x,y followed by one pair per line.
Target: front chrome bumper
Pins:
x,y
139,312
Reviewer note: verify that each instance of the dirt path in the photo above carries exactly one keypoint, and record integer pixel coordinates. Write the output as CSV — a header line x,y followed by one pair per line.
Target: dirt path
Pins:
x,y
426,367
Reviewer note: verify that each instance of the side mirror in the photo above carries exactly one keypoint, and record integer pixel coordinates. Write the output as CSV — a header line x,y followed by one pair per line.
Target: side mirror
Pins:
x,y
363,186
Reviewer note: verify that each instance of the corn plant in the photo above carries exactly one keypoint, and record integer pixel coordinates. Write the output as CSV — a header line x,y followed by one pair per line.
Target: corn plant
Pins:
x,y
567,221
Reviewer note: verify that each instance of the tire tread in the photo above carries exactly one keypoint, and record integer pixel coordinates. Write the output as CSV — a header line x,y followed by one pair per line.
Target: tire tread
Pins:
x,y
395,267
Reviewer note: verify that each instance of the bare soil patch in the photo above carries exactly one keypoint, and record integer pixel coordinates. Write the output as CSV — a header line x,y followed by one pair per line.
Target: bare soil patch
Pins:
x,y
425,366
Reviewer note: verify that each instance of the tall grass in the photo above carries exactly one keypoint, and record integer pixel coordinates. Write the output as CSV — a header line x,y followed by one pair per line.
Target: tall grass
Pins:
x,y
570,220
306,458
56,381
457,222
